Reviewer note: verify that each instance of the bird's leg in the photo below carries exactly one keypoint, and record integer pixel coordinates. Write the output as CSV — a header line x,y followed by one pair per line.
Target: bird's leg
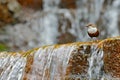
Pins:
x,y
94,38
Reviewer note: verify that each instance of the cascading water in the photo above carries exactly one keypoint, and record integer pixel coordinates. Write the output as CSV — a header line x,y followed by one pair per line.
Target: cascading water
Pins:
x,y
77,61
11,67
95,64
52,62
49,63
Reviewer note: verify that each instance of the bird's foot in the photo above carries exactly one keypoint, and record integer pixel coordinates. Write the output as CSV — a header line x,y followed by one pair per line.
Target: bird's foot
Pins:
x,y
94,39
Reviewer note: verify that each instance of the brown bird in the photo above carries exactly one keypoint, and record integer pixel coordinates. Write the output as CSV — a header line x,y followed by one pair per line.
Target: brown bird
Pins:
x,y
92,30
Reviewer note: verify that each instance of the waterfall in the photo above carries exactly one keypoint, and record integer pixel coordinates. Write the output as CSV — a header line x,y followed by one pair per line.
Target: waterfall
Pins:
x,y
11,67
50,63
95,64
55,24
80,60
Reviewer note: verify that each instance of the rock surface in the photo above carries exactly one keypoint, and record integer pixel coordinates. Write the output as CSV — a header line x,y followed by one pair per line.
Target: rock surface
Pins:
x,y
5,16
65,62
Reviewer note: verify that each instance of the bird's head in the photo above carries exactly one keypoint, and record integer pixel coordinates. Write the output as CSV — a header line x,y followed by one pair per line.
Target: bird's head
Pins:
x,y
90,25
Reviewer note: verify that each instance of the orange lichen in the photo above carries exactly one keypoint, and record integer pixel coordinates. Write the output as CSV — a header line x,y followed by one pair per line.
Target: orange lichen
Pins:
x,y
35,4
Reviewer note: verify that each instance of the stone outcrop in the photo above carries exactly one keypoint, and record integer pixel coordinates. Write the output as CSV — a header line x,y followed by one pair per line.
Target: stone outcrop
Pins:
x,y
8,10
34,4
65,62
111,57
5,16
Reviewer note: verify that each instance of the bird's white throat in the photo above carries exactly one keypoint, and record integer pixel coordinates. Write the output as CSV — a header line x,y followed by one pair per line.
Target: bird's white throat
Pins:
x,y
92,29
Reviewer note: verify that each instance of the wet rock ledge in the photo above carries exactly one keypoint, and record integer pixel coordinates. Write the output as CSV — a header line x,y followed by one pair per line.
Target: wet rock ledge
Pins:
x,y
74,61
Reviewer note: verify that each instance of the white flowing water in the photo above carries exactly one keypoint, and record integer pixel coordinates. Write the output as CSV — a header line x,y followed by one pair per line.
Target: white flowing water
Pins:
x,y
50,63
95,71
11,67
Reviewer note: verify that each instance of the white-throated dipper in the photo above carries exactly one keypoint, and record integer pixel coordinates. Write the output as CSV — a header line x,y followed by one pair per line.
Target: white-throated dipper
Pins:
x,y
92,30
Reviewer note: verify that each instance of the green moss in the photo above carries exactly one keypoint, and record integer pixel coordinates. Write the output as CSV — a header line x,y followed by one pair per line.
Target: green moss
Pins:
x,y
30,52
3,47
